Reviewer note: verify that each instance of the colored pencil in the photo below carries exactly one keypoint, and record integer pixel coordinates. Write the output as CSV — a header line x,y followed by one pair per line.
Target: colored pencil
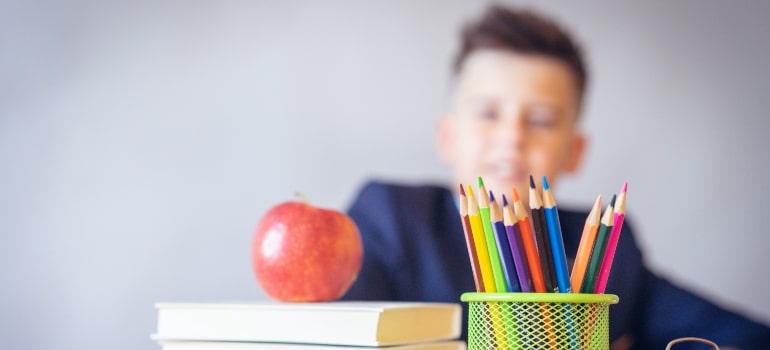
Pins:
x,y
479,240
504,246
612,243
514,230
541,236
530,247
489,235
553,227
472,256
597,254
587,240
555,236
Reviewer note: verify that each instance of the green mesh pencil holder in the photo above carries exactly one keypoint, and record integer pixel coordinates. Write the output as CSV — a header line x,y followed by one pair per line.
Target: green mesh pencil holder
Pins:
x,y
538,320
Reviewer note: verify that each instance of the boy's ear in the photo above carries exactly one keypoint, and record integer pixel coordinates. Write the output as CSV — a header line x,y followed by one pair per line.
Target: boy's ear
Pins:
x,y
444,139
577,150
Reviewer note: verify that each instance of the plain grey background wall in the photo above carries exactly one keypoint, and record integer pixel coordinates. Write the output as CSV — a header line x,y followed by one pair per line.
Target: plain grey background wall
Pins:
x,y
140,141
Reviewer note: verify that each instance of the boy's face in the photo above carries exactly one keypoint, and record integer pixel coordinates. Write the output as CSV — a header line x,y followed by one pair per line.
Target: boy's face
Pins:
x,y
512,115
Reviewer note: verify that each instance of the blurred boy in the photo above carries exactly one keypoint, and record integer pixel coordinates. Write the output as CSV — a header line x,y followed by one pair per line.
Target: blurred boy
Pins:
x,y
520,81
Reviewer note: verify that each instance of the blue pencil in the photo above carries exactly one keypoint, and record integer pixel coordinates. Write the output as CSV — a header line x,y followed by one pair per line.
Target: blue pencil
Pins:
x,y
557,242
559,257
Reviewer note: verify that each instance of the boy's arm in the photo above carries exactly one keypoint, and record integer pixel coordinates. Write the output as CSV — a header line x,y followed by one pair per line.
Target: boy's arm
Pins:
x,y
671,312
374,281
653,311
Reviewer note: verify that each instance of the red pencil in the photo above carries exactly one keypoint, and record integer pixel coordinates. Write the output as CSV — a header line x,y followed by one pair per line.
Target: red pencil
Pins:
x,y
469,241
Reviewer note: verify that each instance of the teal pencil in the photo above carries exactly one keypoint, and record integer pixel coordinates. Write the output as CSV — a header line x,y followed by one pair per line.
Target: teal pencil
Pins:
x,y
597,254
612,242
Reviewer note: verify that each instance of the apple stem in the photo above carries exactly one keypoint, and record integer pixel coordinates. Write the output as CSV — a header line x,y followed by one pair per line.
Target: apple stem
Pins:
x,y
302,197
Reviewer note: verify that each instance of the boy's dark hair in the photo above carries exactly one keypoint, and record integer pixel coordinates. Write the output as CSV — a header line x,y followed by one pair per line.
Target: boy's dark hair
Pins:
x,y
523,32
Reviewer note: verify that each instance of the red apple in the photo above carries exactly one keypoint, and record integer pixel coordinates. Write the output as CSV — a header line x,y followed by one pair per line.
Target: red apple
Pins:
x,y
305,253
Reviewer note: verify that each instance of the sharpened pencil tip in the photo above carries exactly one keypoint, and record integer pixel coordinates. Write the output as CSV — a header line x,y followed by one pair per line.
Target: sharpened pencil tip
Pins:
x,y
515,195
462,191
531,181
545,184
470,191
505,201
612,201
625,187
598,203
481,182
491,196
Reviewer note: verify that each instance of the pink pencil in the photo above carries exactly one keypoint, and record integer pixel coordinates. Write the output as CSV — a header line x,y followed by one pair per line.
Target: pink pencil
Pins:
x,y
612,243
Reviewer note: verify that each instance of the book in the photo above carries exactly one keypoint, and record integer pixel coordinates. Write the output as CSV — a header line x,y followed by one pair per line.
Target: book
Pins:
x,y
355,323
206,345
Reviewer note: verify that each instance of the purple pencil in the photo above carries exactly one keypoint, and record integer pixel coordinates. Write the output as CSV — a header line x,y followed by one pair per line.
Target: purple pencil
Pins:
x,y
517,247
503,249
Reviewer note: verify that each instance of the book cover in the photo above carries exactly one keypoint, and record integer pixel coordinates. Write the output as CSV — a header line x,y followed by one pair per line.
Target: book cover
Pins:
x,y
205,345
355,323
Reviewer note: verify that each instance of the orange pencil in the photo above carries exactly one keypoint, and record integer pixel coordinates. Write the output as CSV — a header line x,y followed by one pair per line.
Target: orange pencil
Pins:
x,y
474,259
479,240
539,228
530,247
587,241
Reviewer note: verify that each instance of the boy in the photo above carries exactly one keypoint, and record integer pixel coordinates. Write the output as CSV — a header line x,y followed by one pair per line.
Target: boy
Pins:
x,y
516,104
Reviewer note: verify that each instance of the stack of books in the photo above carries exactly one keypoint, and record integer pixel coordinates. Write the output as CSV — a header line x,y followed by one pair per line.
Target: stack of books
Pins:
x,y
349,325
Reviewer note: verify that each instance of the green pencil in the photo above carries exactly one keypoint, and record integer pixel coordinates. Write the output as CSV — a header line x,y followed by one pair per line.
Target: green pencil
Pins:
x,y
489,233
597,253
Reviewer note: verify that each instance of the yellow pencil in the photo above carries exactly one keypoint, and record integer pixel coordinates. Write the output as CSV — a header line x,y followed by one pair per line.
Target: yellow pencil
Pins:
x,y
489,233
480,241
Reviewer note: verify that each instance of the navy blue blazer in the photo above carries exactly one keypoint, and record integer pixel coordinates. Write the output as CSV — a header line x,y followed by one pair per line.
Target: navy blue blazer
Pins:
x,y
414,250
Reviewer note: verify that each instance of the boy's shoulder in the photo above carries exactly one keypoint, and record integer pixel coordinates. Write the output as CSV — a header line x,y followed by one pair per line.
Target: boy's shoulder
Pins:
x,y
401,190
404,186
387,202
573,213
